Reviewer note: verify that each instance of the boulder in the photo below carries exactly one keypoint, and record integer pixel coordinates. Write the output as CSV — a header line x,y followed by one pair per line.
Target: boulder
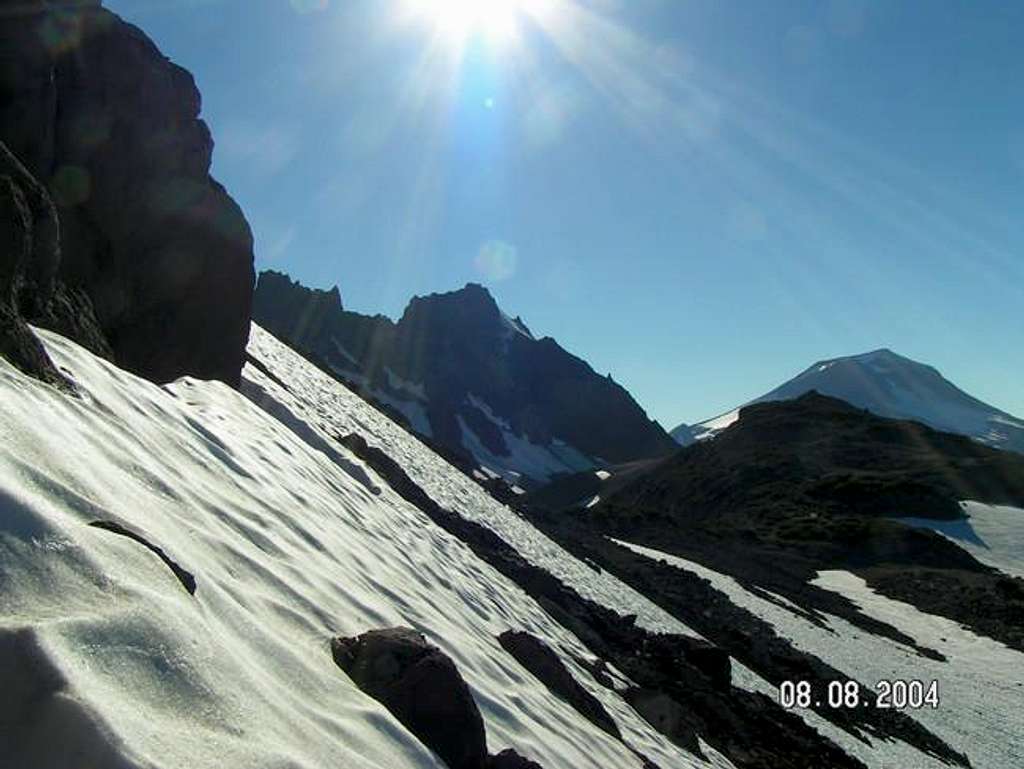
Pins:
x,y
421,686
111,127
667,716
713,661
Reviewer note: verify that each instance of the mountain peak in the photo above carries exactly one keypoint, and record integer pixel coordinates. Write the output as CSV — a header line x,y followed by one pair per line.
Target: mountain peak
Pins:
x,y
890,385
882,354
471,292
471,300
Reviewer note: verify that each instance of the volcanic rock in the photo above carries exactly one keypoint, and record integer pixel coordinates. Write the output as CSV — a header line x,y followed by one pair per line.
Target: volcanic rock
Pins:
x,y
422,688
534,655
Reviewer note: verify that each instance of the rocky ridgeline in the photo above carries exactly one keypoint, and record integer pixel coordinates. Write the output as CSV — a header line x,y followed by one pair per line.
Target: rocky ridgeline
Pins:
x,y
455,348
127,231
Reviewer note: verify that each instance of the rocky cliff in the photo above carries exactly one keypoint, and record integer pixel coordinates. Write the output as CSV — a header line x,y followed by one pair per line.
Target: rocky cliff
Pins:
x,y
470,378
111,128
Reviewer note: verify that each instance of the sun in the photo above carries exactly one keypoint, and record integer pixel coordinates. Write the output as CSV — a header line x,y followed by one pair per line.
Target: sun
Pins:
x,y
496,21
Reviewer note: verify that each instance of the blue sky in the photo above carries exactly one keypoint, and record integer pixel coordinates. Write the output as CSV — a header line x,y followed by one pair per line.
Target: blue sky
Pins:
x,y
701,197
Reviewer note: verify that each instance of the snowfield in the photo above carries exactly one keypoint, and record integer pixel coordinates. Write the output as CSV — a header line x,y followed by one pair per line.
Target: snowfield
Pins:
x,y
108,661
318,407
981,683
994,534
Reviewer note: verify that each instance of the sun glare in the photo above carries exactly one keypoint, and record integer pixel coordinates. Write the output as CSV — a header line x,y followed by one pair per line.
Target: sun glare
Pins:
x,y
497,21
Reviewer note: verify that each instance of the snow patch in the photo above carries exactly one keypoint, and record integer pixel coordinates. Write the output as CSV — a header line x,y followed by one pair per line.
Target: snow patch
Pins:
x,y
513,328
711,427
994,534
525,457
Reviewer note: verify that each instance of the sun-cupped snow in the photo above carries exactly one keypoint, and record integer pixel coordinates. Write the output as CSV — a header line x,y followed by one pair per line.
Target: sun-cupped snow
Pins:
x,y
994,534
321,404
291,540
981,683
893,386
407,398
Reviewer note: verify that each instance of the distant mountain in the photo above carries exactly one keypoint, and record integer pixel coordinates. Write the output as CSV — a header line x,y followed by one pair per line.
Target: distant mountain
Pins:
x,y
889,385
468,377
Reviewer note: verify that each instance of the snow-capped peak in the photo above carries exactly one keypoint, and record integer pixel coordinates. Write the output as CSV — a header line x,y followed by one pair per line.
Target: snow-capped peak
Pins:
x,y
892,385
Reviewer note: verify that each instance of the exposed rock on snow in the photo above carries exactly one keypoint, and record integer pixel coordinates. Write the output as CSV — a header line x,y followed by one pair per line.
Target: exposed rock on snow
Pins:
x,y
422,687
534,655
509,759
186,578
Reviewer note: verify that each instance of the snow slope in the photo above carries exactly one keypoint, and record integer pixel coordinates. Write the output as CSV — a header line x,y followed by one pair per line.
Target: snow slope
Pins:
x,y
994,534
292,540
891,385
319,408
981,683
685,434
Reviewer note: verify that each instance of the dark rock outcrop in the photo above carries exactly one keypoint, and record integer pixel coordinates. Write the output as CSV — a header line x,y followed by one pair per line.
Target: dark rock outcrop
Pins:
x,y
112,129
422,688
17,342
666,715
800,486
534,655
29,288
459,360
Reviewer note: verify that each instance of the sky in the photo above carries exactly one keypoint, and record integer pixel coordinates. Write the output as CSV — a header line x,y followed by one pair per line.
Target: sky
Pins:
x,y
700,197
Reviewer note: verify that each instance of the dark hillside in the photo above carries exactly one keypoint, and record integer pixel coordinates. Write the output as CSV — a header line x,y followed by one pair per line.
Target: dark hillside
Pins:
x,y
801,486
